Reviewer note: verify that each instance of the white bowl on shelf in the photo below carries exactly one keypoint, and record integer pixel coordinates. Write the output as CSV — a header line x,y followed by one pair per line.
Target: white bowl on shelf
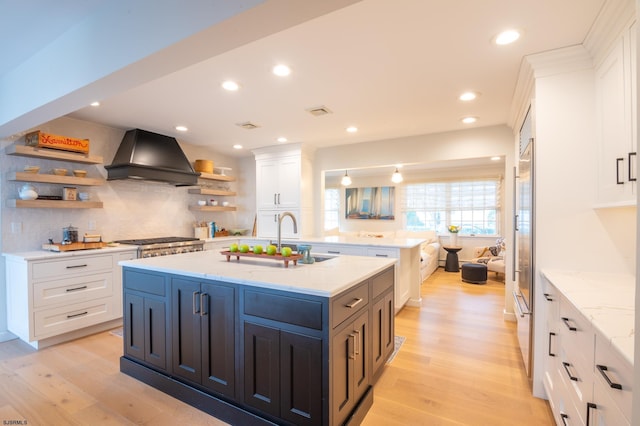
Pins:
x,y
202,203
225,204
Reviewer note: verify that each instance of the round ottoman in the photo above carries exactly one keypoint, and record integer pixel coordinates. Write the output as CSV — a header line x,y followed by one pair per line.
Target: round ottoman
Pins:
x,y
474,273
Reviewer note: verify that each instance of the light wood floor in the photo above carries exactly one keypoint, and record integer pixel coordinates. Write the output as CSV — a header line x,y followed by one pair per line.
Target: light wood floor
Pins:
x,y
459,365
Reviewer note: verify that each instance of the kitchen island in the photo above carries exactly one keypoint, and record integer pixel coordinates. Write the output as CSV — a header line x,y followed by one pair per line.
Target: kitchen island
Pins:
x,y
253,342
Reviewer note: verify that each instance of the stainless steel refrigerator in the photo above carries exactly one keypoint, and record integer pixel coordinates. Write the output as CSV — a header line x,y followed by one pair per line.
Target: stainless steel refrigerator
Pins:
x,y
524,236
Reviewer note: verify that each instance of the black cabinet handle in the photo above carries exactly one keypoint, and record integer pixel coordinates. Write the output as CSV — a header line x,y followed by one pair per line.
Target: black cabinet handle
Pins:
x,y
548,297
618,181
631,178
569,326
77,315
566,366
590,405
564,418
76,288
549,351
77,266
613,385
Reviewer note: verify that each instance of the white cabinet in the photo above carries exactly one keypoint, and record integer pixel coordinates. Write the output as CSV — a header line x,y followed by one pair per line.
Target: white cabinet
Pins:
x,y
278,182
53,299
283,183
616,123
586,380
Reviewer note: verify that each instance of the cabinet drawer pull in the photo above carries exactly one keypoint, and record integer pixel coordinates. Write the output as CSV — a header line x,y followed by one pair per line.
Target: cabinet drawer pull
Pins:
x,y
77,315
602,369
203,304
618,181
631,178
333,252
549,351
76,288
381,255
353,304
565,320
357,342
274,198
548,297
77,266
352,353
195,303
278,198
566,366
590,405
564,418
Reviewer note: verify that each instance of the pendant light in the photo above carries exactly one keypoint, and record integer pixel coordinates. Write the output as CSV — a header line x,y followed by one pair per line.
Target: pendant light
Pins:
x,y
396,177
346,180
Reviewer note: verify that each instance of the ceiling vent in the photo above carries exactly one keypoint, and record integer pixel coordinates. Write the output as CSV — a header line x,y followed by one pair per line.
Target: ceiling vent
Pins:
x,y
247,125
318,111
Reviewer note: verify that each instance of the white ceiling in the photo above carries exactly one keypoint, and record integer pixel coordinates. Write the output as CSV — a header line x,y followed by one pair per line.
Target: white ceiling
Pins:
x,y
391,68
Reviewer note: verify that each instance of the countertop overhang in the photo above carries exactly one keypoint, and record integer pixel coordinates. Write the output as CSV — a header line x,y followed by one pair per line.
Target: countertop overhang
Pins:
x,y
326,279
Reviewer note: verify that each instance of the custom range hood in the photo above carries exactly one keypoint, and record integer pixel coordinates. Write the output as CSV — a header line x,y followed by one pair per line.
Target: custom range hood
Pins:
x,y
145,155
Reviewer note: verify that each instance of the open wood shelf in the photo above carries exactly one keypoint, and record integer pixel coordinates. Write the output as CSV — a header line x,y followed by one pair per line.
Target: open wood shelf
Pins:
x,y
52,154
212,176
212,208
210,191
55,204
49,178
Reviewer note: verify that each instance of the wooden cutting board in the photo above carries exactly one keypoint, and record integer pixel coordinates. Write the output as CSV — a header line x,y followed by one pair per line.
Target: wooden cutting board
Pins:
x,y
73,246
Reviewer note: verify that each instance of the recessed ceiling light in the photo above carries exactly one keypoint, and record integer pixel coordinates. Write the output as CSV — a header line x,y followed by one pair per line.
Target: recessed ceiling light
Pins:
x,y
282,139
237,146
496,158
469,120
352,129
468,96
230,85
95,104
507,37
181,128
281,70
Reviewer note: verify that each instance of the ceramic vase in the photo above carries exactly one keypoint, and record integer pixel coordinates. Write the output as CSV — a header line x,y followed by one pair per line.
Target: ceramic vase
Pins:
x,y
453,239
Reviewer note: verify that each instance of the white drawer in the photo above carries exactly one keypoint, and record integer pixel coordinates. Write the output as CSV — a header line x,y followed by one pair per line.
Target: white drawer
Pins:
x,y
576,333
580,388
618,371
606,412
383,252
54,321
338,249
71,290
51,270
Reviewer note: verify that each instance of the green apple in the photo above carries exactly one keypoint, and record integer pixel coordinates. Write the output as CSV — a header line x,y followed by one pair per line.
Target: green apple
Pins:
x,y
233,247
272,250
243,248
257,249
286,251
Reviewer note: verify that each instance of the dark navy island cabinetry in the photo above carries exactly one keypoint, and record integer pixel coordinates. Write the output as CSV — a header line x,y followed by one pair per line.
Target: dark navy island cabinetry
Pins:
x,y
256,355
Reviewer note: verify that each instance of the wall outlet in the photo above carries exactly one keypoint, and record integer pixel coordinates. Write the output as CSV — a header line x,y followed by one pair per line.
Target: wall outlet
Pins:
x,y
92,225
16,227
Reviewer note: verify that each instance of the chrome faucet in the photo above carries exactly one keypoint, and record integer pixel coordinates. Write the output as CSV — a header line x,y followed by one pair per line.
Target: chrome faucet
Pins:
x,y
295,226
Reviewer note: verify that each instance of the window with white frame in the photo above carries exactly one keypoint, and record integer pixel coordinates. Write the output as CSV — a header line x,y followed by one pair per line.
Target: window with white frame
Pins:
x,y
472,204
331,208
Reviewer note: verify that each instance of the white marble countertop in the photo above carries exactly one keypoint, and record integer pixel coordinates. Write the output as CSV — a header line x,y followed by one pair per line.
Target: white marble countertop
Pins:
x,y
326,278
46,254
355,241
606,299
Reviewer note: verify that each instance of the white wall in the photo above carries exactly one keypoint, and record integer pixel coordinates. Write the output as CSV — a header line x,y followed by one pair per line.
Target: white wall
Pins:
x,y
131,208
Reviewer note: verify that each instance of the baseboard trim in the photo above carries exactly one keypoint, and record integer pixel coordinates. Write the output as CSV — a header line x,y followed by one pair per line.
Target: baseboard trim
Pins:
x,y
509,316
